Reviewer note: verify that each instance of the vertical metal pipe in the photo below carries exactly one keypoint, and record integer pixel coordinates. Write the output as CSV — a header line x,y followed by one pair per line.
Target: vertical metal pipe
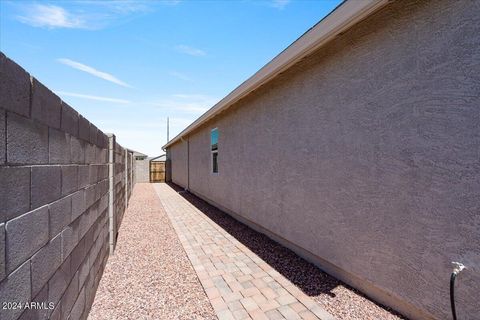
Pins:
x,y
111,218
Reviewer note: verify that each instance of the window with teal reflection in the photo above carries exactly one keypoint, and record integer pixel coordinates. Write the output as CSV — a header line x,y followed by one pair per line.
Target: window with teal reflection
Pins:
x,y
214,149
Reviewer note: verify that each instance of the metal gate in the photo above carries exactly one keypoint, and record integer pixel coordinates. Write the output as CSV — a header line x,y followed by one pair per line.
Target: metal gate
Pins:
x,y
157,171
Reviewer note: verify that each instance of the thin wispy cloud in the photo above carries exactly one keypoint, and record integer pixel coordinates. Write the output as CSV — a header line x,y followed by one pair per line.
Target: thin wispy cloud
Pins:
x,y
91,97
186,103
51,16
190,50
180,76
83,14
280,4
171,2
118,6
93,71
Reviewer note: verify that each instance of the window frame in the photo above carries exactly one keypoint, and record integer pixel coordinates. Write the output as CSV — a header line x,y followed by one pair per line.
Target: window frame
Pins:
x,y
212,152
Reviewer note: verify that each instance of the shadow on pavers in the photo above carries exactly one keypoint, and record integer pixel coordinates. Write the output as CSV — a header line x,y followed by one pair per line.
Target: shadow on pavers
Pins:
x,y
306,276
303,274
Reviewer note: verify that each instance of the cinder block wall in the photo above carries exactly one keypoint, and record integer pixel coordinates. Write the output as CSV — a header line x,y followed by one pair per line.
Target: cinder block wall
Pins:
x,y
119,185
131,174
53,201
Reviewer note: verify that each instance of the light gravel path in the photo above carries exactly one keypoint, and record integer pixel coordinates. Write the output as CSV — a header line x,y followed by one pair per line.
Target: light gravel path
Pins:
x,y
238,282
149,276
237,267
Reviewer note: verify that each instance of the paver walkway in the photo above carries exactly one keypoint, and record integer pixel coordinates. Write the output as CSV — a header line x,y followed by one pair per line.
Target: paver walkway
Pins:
x,y
239,284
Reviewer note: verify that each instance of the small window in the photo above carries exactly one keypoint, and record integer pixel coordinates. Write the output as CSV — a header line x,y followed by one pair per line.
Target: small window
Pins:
x,y
214,149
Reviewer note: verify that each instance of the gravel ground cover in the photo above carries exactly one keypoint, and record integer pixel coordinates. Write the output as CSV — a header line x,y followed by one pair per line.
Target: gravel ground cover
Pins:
x,y
149,276
334,296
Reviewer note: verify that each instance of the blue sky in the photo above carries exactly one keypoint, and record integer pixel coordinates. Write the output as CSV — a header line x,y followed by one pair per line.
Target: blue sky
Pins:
x,y
128,65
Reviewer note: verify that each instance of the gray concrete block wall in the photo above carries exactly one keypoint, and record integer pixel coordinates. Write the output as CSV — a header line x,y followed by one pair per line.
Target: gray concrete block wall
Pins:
x,y
119,184
123,182
133,173
130,173
53,200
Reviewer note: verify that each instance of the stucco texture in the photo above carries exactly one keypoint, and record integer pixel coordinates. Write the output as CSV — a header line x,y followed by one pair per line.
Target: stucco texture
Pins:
x,y
177,156
367,155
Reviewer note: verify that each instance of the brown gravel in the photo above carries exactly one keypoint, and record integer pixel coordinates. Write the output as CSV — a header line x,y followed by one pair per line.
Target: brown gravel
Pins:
x,y
342,301
149,276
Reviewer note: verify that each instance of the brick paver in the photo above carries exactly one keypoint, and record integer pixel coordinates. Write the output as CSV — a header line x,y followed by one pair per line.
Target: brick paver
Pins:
x,y
239,284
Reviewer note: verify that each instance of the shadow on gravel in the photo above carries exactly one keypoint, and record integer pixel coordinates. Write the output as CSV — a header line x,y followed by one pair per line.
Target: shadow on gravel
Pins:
x,y
306,276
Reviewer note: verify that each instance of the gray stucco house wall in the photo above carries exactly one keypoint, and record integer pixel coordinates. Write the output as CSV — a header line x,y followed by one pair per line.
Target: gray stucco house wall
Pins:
x,y
178,160
364,157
